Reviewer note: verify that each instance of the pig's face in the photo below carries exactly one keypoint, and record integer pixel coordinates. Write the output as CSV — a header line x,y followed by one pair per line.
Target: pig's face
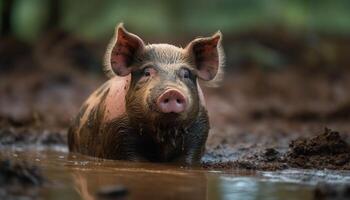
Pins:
x,y
163,90
163,87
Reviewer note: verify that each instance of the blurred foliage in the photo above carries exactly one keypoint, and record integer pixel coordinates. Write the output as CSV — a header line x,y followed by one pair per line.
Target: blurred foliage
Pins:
x,y
95,19
29,18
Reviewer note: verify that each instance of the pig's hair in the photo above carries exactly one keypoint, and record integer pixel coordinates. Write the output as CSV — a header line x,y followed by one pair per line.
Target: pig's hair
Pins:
x,y
107,69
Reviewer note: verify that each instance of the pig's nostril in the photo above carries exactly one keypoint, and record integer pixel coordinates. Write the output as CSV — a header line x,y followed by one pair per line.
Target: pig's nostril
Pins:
x,y
178,100
166,100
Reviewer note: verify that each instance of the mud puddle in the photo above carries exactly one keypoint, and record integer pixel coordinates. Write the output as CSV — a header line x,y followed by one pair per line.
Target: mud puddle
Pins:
x,y
72,176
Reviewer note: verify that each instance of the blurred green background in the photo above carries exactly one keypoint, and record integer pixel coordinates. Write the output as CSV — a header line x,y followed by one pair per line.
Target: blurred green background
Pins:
x,y
95,19
268,33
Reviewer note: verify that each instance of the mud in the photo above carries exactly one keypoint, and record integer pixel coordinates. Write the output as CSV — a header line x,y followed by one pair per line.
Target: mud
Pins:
x,y
30,136
251,126
325,151
267,122
19,173
19,180
112,192
325,191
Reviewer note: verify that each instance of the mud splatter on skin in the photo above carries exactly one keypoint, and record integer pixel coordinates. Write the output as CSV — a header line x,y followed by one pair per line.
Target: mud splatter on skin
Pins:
x,y
91,126
128,143
164,131
75,126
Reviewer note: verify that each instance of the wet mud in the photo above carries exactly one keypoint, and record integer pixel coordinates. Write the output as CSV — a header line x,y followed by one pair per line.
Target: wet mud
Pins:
x,y
28,136
325,151
272,132
257,120
19,173
19,180
325,191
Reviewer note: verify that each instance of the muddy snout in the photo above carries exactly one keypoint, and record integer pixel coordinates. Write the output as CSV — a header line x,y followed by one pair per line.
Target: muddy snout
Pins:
x,y
172,101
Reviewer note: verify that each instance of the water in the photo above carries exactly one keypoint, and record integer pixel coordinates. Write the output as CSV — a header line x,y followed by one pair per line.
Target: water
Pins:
x,y
73,176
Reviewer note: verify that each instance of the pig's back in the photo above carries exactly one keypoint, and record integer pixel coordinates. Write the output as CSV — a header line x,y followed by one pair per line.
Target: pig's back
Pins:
x,y
103,105
115,100
110,96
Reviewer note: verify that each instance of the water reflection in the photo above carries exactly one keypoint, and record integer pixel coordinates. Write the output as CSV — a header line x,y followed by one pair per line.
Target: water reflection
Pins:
x,y
236,188
142,180
310,177
142,184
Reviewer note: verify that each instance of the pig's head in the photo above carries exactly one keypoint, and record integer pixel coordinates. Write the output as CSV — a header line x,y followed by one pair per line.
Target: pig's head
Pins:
x,y
163,91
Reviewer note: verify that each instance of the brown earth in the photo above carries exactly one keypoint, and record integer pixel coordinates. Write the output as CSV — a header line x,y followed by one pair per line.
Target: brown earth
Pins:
x,y
257,114
19,180
324,151
325,191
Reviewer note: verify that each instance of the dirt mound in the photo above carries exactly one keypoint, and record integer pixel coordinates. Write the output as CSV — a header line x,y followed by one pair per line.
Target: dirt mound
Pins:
x,y
328,143
327,150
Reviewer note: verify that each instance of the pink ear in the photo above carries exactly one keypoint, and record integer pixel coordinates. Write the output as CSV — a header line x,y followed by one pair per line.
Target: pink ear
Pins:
x,y
126,47
205,53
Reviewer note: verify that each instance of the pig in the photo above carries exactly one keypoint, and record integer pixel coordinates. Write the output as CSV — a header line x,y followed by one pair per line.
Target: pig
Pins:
x,y
152,108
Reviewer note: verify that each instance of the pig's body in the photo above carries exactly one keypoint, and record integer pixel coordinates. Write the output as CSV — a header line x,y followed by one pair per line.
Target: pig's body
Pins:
x,y
102,129
152,108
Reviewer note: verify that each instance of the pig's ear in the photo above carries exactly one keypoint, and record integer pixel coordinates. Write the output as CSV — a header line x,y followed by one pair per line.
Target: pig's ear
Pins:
x,y
207,56
121,52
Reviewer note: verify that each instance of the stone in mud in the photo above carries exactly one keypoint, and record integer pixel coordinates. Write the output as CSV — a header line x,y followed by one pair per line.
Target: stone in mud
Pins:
x,y
270,154
112,192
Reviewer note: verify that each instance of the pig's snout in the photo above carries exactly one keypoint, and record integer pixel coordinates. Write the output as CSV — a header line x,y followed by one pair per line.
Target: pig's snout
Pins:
x,y
172,101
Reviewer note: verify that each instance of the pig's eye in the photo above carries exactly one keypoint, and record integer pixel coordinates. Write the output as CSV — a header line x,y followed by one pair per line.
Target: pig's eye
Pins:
x,y
185,73
148,71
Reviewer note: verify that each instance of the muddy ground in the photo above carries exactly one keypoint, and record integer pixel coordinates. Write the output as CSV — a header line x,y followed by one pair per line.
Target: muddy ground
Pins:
x,y
261,119
257,117
264,103
256,114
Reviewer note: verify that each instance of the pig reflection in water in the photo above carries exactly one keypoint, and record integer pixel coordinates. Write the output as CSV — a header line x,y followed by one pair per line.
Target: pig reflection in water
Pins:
x,y
154,185
152,108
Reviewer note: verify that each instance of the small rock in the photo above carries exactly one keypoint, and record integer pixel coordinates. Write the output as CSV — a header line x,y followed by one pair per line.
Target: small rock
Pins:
x,y
270,154
112,192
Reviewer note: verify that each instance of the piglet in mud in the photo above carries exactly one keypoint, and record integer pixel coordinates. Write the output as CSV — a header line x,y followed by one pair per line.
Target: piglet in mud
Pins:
x,y
152,108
